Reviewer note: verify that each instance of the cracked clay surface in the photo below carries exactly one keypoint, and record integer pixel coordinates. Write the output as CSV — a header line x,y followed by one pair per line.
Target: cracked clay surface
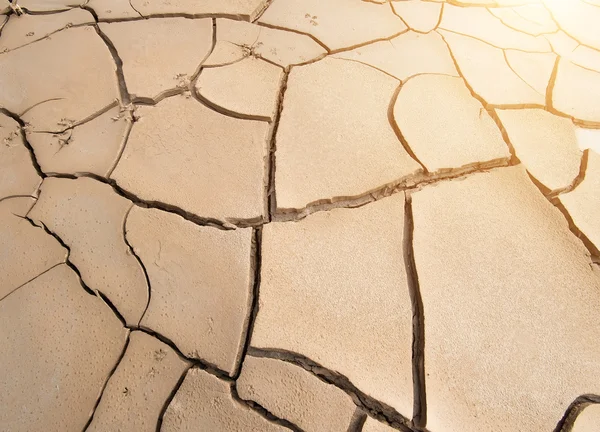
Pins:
x,y
305,215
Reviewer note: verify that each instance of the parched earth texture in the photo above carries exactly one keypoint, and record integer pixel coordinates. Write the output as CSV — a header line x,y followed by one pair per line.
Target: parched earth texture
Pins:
x,y
306,215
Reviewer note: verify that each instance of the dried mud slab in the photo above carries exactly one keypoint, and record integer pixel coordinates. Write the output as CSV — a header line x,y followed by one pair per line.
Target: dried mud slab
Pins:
x,y
59,346
510,301
579,19
89,217
485,69
136,393
331,109
241,9
290,392
481,24
249,87
419,15
545,143
184,154
352,282
204,402
577,91
159,54
533,19
70,76
583,203
588,420
17,173
337,24
407,55
237,40
445,126
372,425
26,29
200,279
25,251
92,147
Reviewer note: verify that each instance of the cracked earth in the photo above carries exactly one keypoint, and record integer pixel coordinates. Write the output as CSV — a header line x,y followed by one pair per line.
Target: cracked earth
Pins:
x,y
306,215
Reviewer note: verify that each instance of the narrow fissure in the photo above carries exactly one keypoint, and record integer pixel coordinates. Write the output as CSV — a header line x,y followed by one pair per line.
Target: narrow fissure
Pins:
x,y
124,93
255,268
140,262
270,191
418,345
112,372
262,411
169,399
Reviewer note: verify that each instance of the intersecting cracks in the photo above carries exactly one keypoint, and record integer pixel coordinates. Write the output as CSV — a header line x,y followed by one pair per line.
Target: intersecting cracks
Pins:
x,y
565,31
504,54
140,262
263,9
490,109
579,404
22,126
375,408
135,9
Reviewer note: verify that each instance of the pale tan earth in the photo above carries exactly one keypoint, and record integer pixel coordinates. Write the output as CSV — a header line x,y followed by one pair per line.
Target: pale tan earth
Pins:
x,y
306,215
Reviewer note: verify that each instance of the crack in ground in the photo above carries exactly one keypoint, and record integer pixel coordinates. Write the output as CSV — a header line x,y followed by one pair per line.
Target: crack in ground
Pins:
x,y
124,93
407,183
270,166
169,399
33,278
358,420
589,245
22,126
489,108
418,345
110,375
578,179
139,260
169,208
398,132
565,424
262,411
255,278
263,9
377,409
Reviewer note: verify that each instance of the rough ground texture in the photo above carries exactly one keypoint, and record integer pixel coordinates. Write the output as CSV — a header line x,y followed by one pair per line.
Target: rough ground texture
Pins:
x,y
306,215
